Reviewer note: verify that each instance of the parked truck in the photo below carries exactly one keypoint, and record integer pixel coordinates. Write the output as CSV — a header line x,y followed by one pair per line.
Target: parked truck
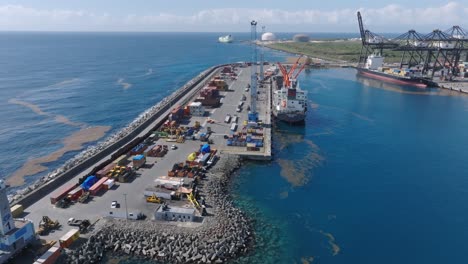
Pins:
x,y
81,224
84,197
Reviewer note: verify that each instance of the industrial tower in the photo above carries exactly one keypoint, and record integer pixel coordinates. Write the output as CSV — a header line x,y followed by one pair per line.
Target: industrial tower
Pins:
x,y
14,234
253,115
5,213
262,76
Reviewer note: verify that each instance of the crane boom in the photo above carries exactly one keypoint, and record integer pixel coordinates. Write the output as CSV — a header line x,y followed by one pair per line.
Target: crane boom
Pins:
x,y
285,74
293,68
300,70
361,28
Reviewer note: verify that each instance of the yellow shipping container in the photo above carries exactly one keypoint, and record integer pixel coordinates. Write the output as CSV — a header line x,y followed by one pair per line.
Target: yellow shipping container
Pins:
x,y
17,210
66,240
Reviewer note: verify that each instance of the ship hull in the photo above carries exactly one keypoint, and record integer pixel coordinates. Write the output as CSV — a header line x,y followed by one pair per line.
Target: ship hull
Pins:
x,y
392,78
290,118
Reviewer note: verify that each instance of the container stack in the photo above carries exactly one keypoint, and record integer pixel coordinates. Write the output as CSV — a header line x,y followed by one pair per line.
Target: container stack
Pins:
x,y
197,109
138,149
138,161
104,171
55,197
98,186
177,114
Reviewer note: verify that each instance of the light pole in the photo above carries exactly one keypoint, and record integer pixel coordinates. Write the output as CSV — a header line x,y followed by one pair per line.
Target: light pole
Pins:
x,y
126,211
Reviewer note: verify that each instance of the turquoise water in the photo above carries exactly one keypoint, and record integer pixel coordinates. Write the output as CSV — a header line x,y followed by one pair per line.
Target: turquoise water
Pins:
x,y
377,175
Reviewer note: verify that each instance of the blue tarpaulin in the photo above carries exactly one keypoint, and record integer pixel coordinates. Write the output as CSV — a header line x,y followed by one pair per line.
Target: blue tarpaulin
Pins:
x,y
89,182
205,148
139,157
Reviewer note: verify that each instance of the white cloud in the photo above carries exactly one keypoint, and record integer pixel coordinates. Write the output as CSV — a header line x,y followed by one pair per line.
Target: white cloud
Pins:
x,y
387,18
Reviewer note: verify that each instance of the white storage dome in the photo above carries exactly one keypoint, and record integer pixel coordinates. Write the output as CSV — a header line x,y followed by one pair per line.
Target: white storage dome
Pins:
x,y
268,36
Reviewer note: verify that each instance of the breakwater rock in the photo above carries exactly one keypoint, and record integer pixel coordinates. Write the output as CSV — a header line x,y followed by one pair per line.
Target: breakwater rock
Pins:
x,y
224,234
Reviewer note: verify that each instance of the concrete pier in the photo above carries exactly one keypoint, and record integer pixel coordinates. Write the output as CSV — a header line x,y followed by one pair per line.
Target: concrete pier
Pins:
x,y
461,85
130,194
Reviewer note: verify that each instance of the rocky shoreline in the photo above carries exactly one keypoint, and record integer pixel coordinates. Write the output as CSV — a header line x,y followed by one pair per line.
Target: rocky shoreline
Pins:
x,y
225,234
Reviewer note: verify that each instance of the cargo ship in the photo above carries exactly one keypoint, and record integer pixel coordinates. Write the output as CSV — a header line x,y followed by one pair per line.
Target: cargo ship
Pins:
x,y
373,68
290,101
226,39
290,104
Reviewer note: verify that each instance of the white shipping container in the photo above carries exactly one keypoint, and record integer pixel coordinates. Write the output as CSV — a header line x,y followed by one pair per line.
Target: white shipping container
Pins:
x,y
109,183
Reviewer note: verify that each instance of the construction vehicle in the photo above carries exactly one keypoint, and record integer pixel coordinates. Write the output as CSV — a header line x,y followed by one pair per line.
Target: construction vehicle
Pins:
x,y
194,201
153,199
47,225
82,224
63,203
84,197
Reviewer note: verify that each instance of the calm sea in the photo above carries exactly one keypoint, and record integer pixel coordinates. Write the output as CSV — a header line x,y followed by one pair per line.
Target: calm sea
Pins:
x,y
377,175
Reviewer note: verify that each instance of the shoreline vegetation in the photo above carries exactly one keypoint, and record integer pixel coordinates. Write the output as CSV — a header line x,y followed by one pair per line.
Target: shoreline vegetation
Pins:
x,y
335,51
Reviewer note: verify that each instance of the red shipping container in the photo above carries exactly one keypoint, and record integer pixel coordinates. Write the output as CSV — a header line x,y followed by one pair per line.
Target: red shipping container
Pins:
x,y
62,193
97,186
50,256
103,172
75,193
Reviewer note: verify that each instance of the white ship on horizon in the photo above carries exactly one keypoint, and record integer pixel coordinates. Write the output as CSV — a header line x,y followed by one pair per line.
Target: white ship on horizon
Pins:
x,y
226,39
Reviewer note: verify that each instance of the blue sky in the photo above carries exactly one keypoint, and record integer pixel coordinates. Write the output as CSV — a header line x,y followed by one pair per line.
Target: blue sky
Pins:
x,y
229,16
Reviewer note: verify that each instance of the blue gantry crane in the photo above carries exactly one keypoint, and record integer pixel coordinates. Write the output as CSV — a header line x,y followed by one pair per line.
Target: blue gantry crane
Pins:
x,y
253,115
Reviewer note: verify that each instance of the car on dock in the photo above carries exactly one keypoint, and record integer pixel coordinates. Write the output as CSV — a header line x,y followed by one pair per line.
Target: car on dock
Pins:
x,y
173,147
227,119
115,204
233,127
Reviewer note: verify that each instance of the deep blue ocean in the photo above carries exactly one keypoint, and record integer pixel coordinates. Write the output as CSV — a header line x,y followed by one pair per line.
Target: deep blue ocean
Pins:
x,y
377,175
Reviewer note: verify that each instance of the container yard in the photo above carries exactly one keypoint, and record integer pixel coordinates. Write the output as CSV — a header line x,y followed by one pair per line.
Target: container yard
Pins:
x,y
156,176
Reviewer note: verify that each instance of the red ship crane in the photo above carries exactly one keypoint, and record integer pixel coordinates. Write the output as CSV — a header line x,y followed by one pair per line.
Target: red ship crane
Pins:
x,y
288,75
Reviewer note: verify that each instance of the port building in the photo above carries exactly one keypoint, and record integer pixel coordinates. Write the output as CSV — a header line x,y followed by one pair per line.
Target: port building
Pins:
x,y
15,234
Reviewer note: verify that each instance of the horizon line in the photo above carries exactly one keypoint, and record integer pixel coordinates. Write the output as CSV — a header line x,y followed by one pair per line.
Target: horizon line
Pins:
x,y
190,32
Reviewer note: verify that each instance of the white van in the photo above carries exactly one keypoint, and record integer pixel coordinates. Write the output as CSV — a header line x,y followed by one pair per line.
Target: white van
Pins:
x,y
233,126
227,119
